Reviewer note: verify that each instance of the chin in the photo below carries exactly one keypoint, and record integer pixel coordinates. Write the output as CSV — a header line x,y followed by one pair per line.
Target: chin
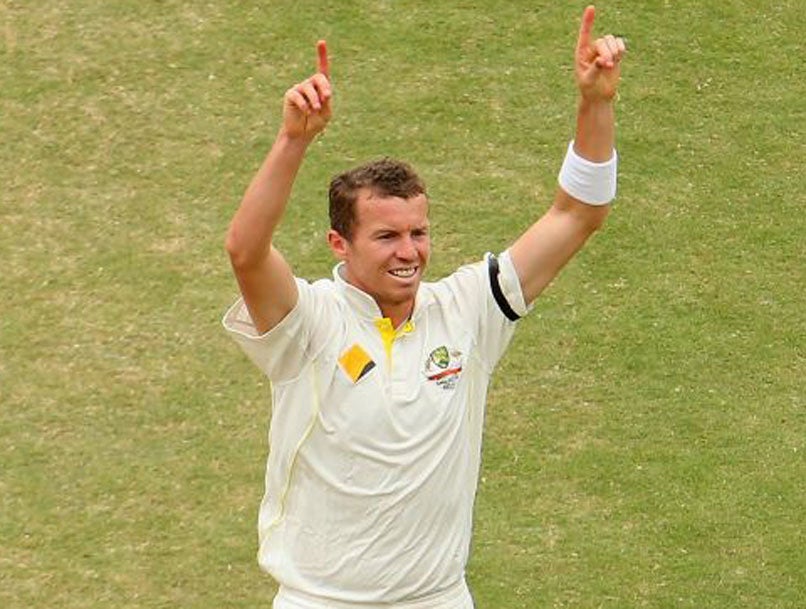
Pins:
x,y
401,294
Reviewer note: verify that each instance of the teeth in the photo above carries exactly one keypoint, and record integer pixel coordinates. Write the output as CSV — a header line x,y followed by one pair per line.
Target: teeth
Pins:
x,y
403,272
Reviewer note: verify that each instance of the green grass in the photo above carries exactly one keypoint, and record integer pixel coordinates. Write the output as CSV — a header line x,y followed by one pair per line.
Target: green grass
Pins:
x,y
645,433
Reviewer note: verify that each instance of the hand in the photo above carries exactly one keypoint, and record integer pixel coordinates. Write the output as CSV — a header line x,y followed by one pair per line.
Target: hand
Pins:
x,y
306,105
598,63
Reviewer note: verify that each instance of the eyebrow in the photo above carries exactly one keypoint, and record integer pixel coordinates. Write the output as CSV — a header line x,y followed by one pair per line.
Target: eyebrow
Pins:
x,y
395,231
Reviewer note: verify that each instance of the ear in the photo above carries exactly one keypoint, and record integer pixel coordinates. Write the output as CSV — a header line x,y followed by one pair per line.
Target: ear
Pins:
x,y
338,244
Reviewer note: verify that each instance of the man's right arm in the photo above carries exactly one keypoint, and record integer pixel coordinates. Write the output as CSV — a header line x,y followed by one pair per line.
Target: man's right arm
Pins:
x,y
264,277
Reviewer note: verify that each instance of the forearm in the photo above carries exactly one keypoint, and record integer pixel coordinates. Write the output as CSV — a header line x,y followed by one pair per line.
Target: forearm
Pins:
x,y
595,131
252,228
588,174
554,239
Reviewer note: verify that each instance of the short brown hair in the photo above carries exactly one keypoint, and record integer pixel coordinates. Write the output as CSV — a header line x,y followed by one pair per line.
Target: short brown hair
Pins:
x,y
384,178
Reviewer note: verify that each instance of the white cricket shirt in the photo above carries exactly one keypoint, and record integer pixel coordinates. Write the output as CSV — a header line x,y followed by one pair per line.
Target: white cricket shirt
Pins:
x,y
375,434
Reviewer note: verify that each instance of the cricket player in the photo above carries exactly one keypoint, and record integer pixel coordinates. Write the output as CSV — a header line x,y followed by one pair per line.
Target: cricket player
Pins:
x,y
379,379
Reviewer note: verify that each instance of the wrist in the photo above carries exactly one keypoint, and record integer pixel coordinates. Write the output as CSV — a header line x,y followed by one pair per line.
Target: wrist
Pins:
x,y
596,113
596,103
289,138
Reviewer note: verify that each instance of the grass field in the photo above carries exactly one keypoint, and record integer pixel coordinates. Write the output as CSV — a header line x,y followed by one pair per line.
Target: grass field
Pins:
x,y
646,433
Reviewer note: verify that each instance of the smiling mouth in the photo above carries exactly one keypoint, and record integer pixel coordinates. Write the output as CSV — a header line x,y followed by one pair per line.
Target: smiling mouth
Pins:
x,y
406,273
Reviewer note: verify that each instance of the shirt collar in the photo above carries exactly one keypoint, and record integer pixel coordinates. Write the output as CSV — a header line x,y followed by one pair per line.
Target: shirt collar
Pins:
x,y
364,304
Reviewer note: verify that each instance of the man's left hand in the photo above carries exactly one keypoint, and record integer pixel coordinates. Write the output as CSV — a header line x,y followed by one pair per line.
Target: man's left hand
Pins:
x,y
598,62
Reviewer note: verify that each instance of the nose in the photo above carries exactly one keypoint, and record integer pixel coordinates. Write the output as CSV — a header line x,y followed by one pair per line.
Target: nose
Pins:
x,y
406,249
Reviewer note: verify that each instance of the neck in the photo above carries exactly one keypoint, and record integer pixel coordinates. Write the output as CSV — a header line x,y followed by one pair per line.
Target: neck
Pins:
x,y
397,314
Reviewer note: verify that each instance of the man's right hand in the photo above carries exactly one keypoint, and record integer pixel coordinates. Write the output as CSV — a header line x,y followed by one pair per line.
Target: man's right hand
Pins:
x,y
307,105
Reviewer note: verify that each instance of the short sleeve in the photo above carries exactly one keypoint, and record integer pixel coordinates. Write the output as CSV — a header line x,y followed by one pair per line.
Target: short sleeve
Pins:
x,y
508,294
489,300
282,352
504,305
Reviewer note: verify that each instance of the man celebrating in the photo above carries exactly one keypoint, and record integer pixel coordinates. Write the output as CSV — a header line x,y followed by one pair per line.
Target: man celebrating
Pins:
x,y
379,379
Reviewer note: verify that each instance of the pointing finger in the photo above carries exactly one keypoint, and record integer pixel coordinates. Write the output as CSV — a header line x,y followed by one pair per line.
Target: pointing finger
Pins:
x,y
324,64
585,29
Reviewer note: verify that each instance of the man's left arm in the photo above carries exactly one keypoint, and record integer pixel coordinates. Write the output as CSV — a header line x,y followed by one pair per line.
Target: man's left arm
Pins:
x,y
587,179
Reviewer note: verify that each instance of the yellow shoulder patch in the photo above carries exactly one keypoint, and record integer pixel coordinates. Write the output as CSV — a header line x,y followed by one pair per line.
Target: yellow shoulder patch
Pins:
x,y
356,362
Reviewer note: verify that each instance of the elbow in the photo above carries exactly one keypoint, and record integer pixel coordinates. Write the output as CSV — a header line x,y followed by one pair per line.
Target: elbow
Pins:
x,y
595,218
233,246
587,219
241,254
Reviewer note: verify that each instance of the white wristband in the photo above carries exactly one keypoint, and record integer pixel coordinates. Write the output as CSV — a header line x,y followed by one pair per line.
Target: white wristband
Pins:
x,y
586,181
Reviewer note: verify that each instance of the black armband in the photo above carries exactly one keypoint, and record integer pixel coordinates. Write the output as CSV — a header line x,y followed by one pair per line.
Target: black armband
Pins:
x,y
498,294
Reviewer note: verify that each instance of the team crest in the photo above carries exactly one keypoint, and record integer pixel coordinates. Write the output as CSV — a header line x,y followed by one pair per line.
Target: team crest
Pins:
x,y
440,357
443,367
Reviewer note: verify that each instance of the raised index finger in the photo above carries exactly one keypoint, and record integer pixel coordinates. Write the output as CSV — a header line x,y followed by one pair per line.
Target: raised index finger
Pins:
x,y
324,64
586,28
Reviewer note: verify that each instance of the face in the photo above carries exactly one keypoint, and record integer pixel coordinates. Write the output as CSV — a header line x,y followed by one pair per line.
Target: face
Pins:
x,y
388,252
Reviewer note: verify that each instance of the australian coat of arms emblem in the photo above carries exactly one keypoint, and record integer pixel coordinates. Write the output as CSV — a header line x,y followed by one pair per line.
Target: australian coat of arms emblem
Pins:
x,y
443,367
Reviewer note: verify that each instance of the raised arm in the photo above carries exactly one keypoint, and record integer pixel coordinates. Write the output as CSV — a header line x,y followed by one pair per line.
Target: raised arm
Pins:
x,y
587,179
264,277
